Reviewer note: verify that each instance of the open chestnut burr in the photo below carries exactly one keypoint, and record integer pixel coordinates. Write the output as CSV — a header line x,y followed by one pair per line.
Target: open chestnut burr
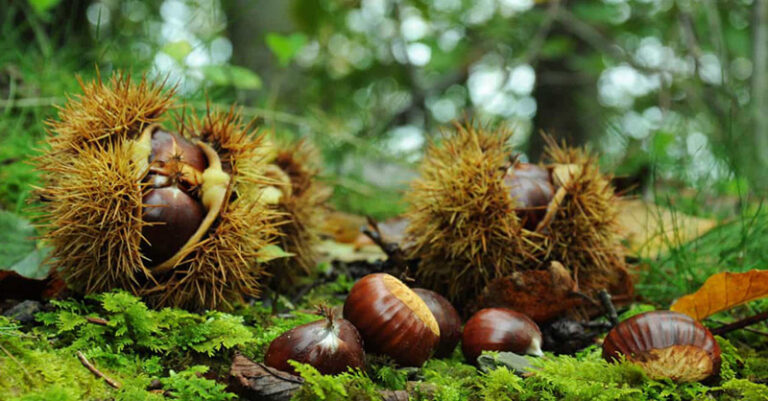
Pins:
x,y
500,329
448,320
665,344
331,345
392,319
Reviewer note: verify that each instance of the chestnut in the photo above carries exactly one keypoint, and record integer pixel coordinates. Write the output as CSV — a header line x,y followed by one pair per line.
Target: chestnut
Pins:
x,y
392,319
330,345
531,187
665,344
500,329
170,146
174,216
447,319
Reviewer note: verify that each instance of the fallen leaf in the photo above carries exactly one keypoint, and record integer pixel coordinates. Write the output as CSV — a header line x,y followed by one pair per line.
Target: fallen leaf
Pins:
x,y
723,291
652,230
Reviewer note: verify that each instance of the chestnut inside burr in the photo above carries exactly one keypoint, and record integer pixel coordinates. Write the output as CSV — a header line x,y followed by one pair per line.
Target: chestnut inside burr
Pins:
x,y
531,187
172,201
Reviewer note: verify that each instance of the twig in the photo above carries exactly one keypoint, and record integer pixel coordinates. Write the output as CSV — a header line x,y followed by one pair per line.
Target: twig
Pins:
x,y
531,55
722,330
97,320
97,372
13,358
749,329
610,309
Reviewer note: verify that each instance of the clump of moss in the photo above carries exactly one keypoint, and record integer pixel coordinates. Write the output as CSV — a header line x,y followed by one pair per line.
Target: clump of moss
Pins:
x,y
465,230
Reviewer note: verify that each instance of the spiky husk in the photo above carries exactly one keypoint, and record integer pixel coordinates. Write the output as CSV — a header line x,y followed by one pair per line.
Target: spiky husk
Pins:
x,y
584,232
91,194
223,268
462,221
93,200
304,210
465,232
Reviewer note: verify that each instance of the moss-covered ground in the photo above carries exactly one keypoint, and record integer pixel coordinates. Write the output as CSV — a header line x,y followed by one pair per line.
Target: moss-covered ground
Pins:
x,y
176,354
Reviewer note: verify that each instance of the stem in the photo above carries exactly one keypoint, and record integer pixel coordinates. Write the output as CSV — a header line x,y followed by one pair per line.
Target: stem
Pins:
x,y
610,309
722,330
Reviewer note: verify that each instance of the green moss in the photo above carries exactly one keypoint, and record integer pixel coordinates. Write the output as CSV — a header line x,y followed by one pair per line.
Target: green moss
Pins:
x,y
352,385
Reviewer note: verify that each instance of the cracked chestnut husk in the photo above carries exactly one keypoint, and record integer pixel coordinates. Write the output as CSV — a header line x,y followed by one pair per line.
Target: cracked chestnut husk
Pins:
x,y
448,320
331,345
531,187
173,216
392,319
500,329
665,344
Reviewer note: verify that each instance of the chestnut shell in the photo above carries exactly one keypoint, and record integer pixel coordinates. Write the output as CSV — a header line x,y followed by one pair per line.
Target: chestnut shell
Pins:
x,y
331,348
666,345
531,187
448,320
500,329
392,319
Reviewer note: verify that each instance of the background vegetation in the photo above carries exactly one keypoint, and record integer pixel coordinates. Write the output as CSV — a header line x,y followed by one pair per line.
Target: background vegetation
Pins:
x,y
670,89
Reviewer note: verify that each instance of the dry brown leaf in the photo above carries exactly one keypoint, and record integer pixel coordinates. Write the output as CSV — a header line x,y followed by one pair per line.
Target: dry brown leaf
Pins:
x,y
651,230
723,291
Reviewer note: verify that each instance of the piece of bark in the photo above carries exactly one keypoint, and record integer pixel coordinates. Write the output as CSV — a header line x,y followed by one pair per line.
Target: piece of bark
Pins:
x,y
258,382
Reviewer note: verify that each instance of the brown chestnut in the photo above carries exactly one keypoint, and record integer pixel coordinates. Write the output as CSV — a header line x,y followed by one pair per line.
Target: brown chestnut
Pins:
x,y
331,345
392,319
665,344
500,329
170,146
531,187
174,217
447,319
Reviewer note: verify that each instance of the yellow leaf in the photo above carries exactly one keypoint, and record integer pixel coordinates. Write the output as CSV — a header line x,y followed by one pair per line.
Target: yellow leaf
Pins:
x,y
652,230
723,291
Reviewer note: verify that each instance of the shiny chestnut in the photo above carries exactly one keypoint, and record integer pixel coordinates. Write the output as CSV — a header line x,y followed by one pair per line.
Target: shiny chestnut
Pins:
x,y
500,329
665,344
531,188
171,203
448,320
392,319
331,345
173,216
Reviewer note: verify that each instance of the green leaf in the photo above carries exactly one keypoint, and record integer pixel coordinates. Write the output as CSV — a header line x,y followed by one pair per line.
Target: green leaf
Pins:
x,y
271,252
286,47
19,251
178,50
232,75
42,7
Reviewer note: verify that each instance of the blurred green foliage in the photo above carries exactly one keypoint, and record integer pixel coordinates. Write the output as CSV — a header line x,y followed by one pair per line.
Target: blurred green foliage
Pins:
x,y
670,91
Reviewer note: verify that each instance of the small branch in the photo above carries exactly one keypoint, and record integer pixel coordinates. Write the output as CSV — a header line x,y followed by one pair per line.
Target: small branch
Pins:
x,y
722,330
531,55
13,358
610,309
97,320
97,372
